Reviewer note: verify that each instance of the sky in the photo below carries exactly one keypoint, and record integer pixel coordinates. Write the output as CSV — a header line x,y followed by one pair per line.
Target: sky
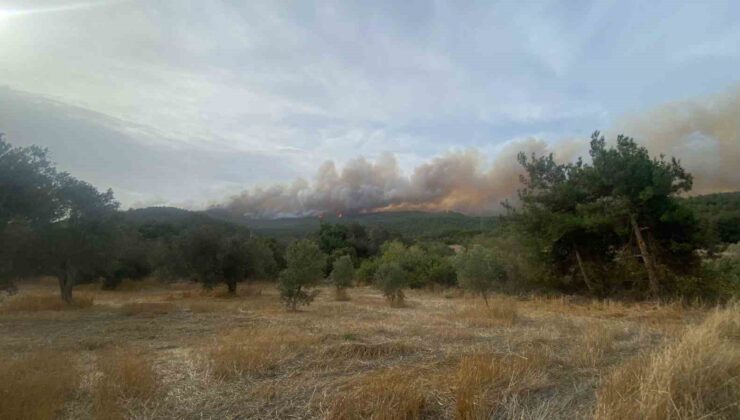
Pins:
x,y
187,103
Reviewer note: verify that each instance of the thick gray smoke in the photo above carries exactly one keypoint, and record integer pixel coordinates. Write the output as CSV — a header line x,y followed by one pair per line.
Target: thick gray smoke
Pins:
x,y
703,134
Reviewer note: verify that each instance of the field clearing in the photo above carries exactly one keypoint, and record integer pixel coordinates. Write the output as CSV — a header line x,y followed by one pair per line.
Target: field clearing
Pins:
x,y
177,352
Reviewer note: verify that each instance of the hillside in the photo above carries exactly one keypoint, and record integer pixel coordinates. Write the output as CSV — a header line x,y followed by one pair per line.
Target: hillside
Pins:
x,y
719,213
412,224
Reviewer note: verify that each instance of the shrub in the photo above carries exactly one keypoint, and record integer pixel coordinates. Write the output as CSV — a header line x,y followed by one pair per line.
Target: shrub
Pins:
x,y
305,266
478,271
366,271
342,276
442,272
391,279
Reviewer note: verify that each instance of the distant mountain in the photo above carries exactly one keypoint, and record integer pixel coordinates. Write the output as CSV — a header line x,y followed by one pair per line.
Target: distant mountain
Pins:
x,y
411,224
167,215
721,210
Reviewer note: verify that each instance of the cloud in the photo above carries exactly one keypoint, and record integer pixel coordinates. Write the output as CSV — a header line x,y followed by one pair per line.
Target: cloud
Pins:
x,y
142,165
226,95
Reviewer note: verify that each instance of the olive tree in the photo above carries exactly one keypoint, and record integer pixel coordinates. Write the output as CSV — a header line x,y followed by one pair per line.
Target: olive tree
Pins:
x,y
342,276
391,279
478,271
305,267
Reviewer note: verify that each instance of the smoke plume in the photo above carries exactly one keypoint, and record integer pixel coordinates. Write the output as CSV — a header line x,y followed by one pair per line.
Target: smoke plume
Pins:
x,y
703,134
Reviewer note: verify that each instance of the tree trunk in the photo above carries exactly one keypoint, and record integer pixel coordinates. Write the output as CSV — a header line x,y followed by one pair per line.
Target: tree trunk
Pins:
x,y
231,284
647,258
65,288
586,280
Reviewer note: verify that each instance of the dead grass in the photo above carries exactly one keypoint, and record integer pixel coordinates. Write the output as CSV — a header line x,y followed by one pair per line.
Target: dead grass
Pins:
x,y
37,385
501,311
201,307
124,375
38,302
698,376
128,285
255,351
595,341
389,394
341,295
442,357
148,308
242,291
485,382
369,350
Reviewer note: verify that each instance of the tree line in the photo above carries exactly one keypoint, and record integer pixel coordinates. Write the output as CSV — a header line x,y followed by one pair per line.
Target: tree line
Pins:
x,y
613,226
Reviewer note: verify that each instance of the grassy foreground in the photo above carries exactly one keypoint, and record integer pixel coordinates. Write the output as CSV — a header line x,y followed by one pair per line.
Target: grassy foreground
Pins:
x,y
156,351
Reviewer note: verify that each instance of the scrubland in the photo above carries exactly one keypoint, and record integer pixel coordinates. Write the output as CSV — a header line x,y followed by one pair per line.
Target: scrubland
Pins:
x,y
151,350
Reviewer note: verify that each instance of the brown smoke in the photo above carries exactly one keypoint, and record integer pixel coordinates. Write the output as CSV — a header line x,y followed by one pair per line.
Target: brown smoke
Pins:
x,y
460,181
703,134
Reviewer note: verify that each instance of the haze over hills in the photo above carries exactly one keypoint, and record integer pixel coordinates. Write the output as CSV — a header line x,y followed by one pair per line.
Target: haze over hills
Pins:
x,y
722,208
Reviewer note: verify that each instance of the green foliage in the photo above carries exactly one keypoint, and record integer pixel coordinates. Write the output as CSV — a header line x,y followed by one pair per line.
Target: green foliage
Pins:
x,y
29,185
215,253
305,267
263,258
520,256
342,275
201,248
479,271
719,278
391,279
332,237
366,271
719,217
441,271
423,263
585,220
71,226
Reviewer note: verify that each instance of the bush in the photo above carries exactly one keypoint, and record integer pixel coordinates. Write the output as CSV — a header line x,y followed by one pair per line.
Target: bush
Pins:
x,y
305,266
441,271
342,276
391,279
717,280
366,272
479,271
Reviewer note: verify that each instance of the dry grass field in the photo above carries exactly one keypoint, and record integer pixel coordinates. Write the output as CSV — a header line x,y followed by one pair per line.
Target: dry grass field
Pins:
x,y
158,351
